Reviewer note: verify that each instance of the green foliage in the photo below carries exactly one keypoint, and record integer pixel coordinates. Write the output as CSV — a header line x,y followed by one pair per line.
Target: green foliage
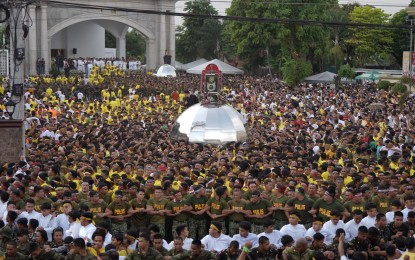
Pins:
x,y
227,47
337,54
399,88
369,42
403,98
401,38
295,70
198,37
55,72
346,71
406,80
110,41
263,44
383,84
135,45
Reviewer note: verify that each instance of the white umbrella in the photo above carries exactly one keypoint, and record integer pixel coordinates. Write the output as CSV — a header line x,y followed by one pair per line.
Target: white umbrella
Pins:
x,y
210,124
166,70
223,67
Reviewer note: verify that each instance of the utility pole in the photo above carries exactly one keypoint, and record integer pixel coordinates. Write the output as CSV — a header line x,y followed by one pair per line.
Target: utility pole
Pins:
x,y
14,132
411,52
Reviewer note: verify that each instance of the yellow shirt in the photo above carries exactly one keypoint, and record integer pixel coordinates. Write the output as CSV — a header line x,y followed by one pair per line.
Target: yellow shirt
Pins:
x,y
94,252
409,254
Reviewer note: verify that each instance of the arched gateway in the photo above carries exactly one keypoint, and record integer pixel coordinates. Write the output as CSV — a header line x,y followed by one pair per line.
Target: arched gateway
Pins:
x,y
79,32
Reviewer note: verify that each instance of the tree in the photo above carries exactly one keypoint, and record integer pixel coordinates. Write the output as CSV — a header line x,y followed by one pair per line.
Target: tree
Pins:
x,y
135,45
368,42
401,38
252,40
198,37
274,44
295,70
110,41
346,71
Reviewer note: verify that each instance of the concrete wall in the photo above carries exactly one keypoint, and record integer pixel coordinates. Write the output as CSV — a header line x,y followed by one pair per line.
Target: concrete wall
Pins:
x,y
110,53
11,138
59,40
87,37
49,20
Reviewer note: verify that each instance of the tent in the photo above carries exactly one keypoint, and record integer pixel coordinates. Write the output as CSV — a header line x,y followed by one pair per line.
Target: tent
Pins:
x,y
178,65
224,67
370,75
166,70
324,77
193,64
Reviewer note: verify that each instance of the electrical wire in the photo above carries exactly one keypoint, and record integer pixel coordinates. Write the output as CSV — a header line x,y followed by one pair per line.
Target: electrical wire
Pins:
x,y
17,10
233,18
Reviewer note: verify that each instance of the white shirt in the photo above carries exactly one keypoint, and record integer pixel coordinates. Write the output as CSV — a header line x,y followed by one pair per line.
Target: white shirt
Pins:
x,y
29,216
48,223
389,216
251,237
405,212
133,246
368,222
3,207
73,230
62,220
218,244
311,232
274,237
87,231
47,133
107,239
329,230
351,228
187,243
296,232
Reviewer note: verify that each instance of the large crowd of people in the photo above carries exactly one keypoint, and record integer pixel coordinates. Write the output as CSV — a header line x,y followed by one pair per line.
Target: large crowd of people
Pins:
x,y
326,173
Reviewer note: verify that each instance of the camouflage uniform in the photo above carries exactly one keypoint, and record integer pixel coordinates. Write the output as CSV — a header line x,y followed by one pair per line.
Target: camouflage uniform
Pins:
x,y
52,255
163,252
197,223
5,236
118,228
152,254
224,230
23,248
292,254
204,255
175,225
197,228
18,256
178,255
162,227
89,256
226,255
233,228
